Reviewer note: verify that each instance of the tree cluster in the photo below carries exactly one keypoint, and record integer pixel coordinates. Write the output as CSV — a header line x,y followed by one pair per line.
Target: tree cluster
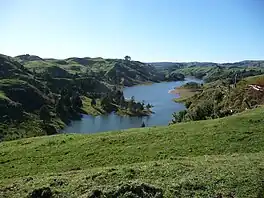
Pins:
x,y
114,100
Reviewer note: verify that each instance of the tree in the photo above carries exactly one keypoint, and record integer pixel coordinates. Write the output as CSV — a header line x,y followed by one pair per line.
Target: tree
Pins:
x,y
67,100
93,102
60,107
122,101
148,106
235,79
127,58
187,104
118,96
179,116
87,72
130,105
47,77
139,106
34,72
44,114
77,102
203,111
106,103
218,96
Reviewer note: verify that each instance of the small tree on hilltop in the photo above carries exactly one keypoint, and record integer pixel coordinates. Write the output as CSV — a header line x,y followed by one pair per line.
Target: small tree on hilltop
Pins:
x,y
127,58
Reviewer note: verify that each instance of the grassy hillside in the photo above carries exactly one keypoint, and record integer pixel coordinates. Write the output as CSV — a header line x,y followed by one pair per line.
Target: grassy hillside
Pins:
x,y
220,98
212,158
92,110
108,70
35,102
210,72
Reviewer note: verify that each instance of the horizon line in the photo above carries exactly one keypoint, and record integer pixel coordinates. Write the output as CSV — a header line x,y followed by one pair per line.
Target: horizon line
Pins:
x,y
149,62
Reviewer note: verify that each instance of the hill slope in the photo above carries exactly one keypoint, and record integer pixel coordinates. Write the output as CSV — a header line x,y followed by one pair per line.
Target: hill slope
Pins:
x,y
34,103
212,158
23,93
210,72
109,70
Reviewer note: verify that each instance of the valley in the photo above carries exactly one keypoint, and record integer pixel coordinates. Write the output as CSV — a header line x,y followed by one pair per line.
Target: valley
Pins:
x,y
131,99
207,144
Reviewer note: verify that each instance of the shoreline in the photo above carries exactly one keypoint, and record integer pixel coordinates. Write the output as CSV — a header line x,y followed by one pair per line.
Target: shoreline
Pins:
x,y
184,93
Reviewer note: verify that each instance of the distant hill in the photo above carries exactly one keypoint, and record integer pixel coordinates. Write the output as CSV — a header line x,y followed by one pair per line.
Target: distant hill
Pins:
x,y
28,57
23,92
247,63
162,64
11,68
39,96
110,70
210,71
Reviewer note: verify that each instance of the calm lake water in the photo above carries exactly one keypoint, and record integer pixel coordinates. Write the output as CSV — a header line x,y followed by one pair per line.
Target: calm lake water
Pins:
x,y
155,94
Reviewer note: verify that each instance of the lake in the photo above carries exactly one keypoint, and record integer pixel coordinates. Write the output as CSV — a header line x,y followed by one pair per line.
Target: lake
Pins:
x,y
155,94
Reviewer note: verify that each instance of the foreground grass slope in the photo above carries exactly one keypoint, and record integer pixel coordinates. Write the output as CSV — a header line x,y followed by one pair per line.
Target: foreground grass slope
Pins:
x,y
222,157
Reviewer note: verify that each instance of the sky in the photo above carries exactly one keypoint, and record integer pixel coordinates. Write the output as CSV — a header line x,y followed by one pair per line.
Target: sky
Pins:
x,y
146,30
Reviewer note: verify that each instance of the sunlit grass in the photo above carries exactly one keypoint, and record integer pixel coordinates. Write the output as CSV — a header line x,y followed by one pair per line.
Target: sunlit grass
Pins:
x,y
198,159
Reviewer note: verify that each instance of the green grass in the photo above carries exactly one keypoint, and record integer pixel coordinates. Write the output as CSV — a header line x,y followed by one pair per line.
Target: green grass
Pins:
x,y
259,79
133,71
30,127
185,93
195,159
11,82
188,70
92,110
3,96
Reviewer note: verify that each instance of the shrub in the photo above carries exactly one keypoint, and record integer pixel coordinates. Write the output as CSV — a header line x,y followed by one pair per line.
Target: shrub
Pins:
x,y
179,116
44,114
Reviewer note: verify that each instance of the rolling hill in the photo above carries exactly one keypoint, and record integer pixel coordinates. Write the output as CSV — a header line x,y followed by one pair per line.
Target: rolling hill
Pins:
x,y
109,70
245,63
212,158
63,89
23,93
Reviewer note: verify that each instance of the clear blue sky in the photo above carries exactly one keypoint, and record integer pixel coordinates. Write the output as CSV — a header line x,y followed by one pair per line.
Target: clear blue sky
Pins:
x,y
147,30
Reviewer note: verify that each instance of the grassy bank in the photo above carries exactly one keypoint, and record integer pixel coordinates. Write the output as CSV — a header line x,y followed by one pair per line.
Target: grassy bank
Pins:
x,y
202,159
185,93
127,112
